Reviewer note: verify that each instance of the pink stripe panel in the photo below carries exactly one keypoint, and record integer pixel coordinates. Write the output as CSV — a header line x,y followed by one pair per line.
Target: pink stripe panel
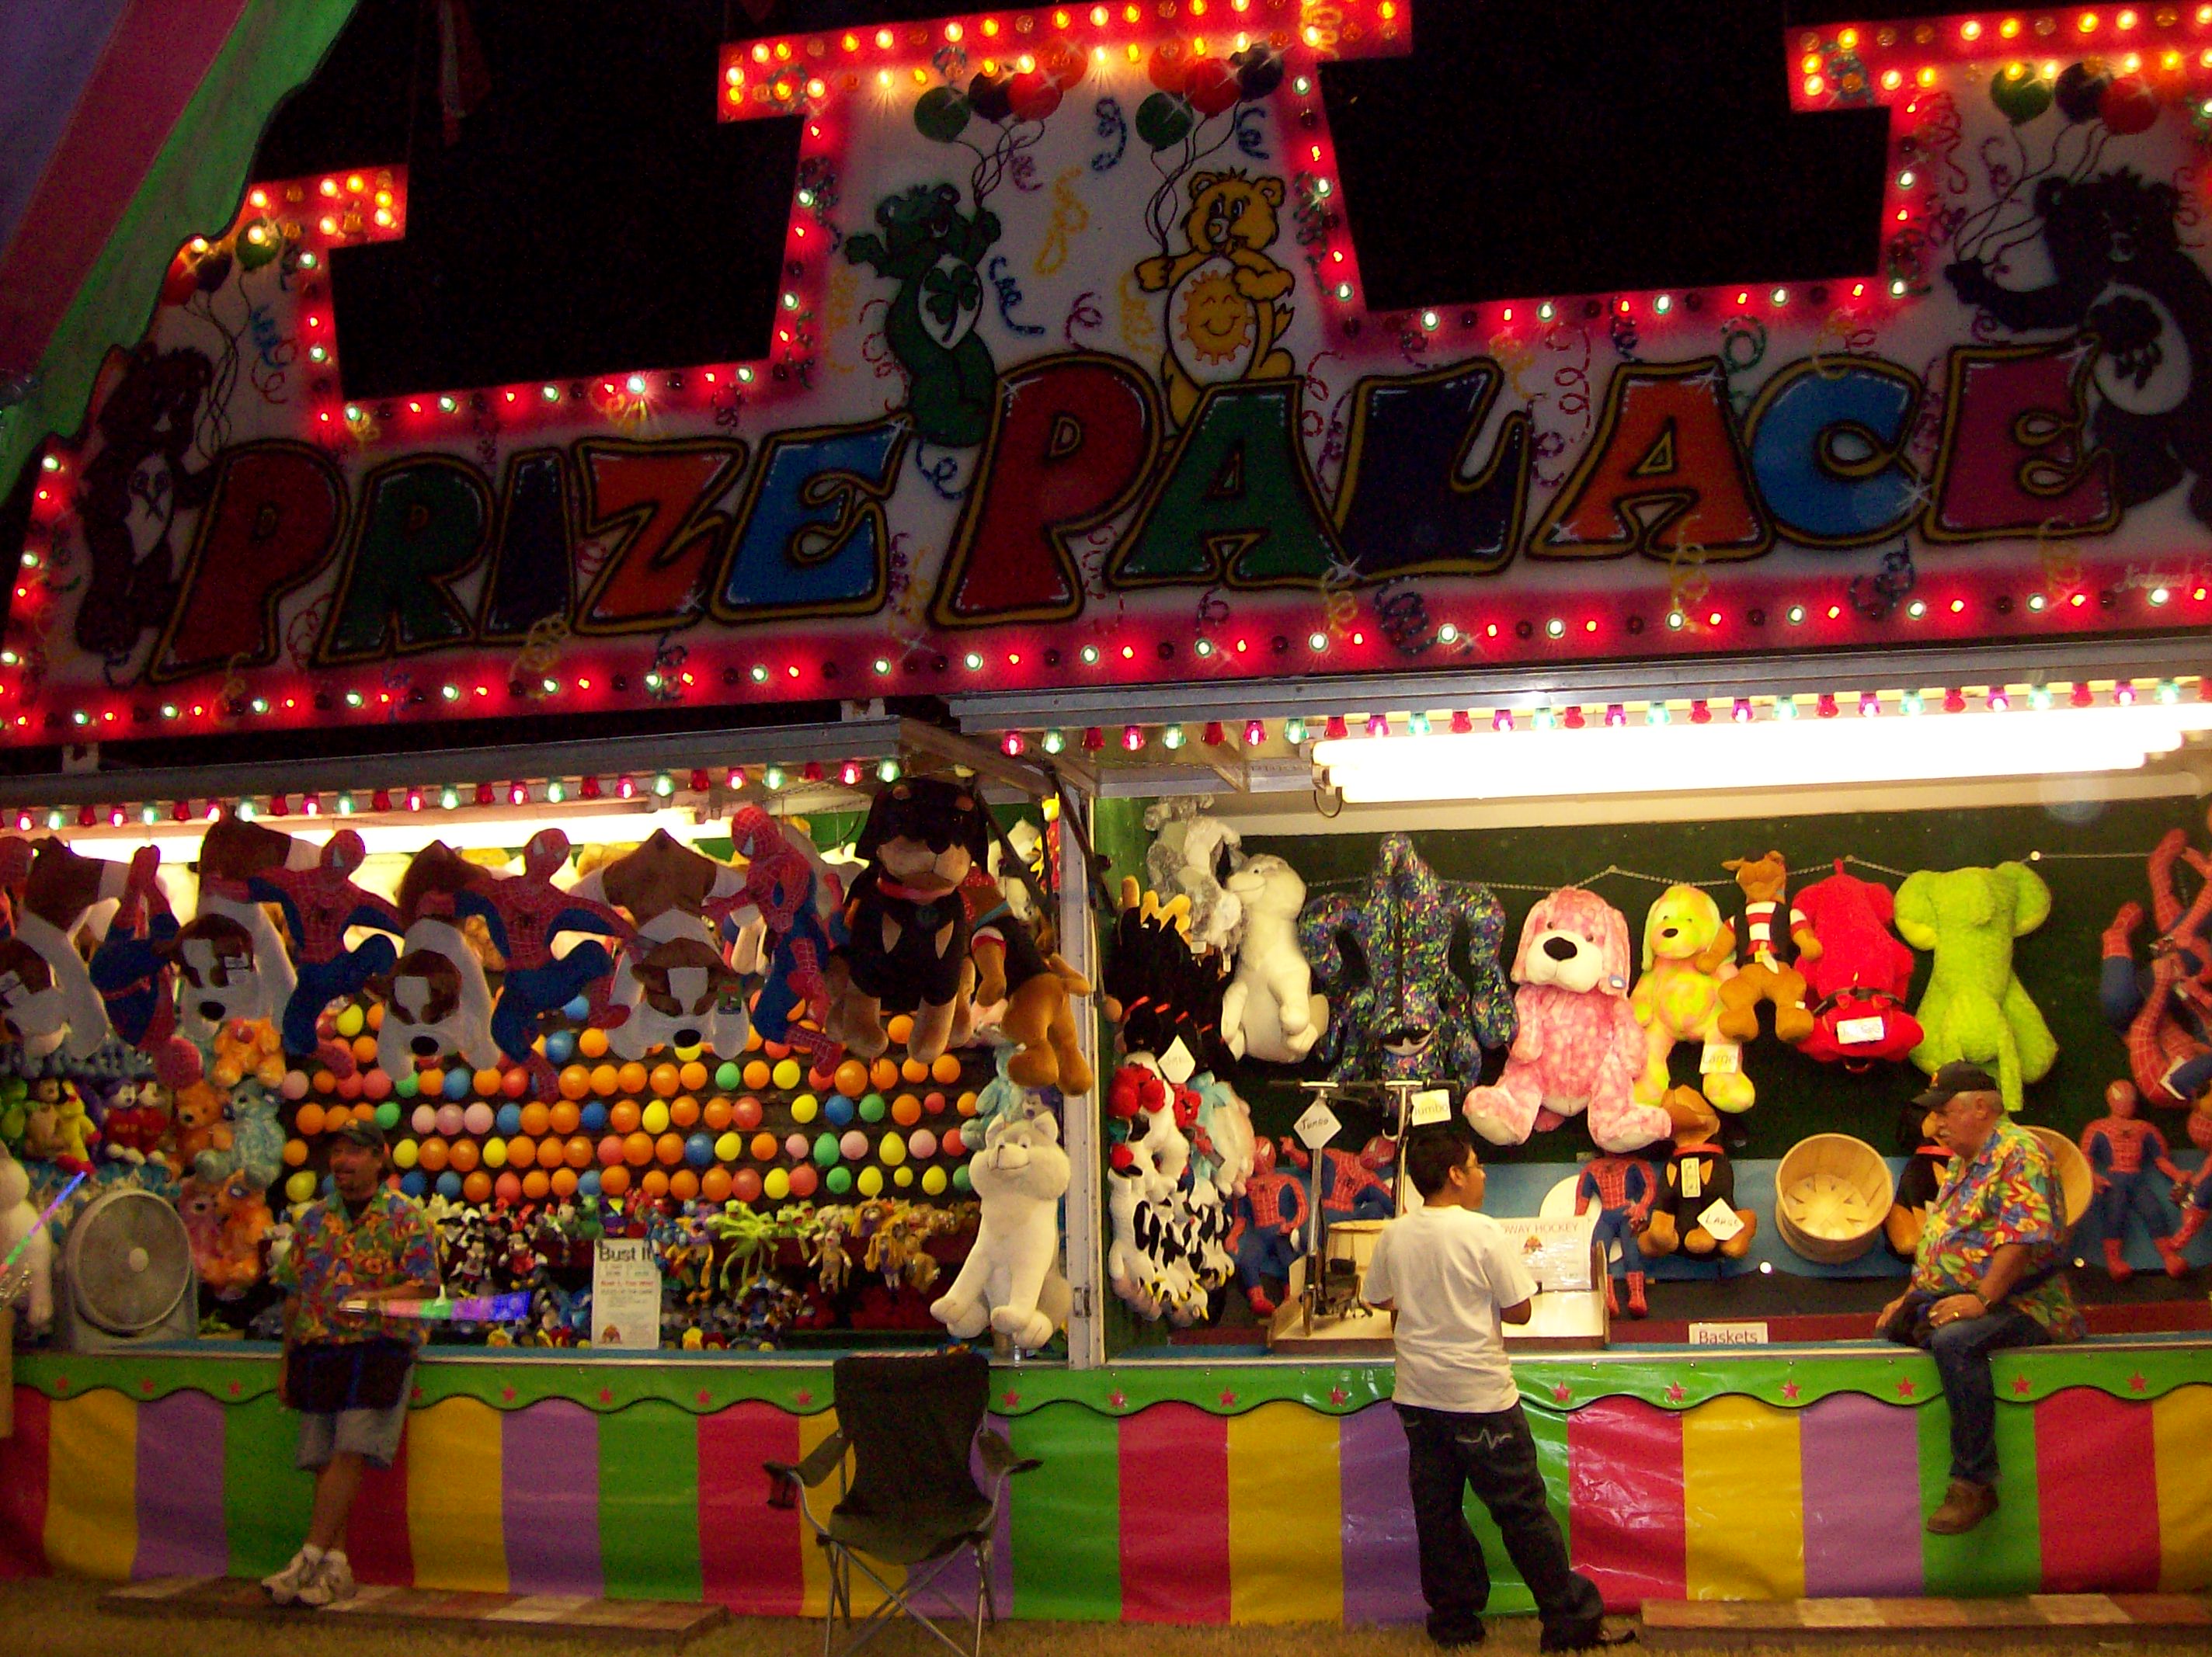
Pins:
x,y
152,67
1175,1515
750,1556
181,1528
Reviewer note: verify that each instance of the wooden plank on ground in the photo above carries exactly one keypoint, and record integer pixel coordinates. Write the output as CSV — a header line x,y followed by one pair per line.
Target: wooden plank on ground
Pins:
x,y
660,1621
2042,1618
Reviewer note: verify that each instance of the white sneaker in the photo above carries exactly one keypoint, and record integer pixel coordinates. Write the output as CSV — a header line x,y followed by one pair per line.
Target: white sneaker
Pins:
x,y
331,1583
286,1585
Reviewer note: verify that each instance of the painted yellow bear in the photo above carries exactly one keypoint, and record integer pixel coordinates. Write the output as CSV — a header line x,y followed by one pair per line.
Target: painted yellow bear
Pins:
x,y
1225,308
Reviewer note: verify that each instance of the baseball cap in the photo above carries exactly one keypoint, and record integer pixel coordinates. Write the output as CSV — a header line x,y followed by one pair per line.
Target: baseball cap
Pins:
x,y
1957,1077
363,1131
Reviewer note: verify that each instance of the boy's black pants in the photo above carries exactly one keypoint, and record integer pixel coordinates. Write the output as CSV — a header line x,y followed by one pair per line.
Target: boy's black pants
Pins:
x,y
1449,1451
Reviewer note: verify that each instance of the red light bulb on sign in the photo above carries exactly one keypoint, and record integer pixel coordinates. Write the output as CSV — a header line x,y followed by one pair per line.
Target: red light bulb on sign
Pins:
x,y
2082,696
380,800
277,807
1826,708
181,813
1701,713
311,805
1378,725
1741,713
1215,735
1256,733
699,781
1011,744
1093,739
484,793
1132,736
1954,701
589,789
1336,730
625,787
517,793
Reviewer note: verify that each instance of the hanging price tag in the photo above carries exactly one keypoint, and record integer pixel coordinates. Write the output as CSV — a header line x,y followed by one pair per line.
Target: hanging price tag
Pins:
x,y
1720,1220
1176,1063
1859,1032
1317,1126
1430,1106
1720,1059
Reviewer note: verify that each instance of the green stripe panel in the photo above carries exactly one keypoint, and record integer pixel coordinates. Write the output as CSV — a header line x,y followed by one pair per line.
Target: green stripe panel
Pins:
x,y
1067,1516
193,185
649,1503
2005,1553
267,1500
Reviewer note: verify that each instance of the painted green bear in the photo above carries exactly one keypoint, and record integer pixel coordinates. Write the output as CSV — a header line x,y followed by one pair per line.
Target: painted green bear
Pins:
x,y
932,251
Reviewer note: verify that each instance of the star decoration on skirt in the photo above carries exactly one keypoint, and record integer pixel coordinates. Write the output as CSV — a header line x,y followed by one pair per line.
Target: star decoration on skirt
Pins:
x,y
1339,1397
2136,1383
2020,1385
1010,1398
803,1397
1561,1392
1675,1394
1228,1398
1906,1388
1117,1400
1790,1389
705,1398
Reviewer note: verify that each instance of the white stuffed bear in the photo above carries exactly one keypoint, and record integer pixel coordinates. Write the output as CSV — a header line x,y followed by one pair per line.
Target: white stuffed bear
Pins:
x,y
1269,1009
19,1220
1183,859
1011,1280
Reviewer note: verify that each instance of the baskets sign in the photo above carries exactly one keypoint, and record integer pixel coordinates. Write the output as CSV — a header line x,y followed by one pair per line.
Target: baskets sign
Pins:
x,y
1073,384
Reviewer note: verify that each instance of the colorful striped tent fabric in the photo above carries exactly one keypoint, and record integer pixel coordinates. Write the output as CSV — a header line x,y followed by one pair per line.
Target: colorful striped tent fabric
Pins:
x,y
1172,1512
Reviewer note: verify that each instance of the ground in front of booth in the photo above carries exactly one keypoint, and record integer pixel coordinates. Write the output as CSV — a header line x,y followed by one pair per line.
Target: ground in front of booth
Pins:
x,y
65,1617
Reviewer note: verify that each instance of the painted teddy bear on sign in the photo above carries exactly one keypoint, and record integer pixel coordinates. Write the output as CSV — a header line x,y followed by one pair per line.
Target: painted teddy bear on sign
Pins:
x,y
1226,293
1974,1008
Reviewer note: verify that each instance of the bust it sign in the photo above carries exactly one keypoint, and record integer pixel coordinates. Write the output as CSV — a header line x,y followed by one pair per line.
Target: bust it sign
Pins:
x,y
1073,382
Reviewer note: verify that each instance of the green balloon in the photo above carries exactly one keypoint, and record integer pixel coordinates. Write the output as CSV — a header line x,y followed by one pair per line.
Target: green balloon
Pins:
x,y
825,1149
2020,93
1162,119
960,1179
727,1076
941,114
387,1115
839,1179
871,1107
407,1086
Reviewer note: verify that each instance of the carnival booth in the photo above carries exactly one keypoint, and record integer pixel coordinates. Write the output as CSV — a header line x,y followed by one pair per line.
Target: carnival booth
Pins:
x,y
1658,728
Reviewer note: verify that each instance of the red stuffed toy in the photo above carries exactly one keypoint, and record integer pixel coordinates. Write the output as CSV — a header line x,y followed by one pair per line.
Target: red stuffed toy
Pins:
x,y
1857,978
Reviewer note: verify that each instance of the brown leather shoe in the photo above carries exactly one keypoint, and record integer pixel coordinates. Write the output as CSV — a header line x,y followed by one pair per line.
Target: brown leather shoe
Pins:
x,y
1965,1506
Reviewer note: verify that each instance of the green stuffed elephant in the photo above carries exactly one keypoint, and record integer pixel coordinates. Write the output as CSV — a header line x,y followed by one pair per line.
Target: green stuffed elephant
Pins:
x,y
1974,1008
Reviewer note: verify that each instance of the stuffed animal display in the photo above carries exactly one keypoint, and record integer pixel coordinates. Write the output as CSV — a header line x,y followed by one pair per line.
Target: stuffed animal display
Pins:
x,y
1926,1157
1688,956
1011,1282
671,983
1695,1211
19,1218
46,992
2117,1147
1579,1047
1269,1010
1624,1188
1857,972
1974,1008
1269,1230
1175,1171
1769,943
437,1001
1188,858
1399,1009
1033,992
2164,1010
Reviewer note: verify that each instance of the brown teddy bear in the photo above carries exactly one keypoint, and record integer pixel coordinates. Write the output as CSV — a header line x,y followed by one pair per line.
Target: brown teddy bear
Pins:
x,y
1766,974
1697,1176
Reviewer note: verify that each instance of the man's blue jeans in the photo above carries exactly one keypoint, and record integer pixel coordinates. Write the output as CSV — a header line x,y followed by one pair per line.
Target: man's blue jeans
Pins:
x,y
1961,1352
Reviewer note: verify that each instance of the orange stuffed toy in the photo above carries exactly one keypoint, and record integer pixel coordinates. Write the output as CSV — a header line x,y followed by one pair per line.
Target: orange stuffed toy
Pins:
x,y
1698,1178
1766,974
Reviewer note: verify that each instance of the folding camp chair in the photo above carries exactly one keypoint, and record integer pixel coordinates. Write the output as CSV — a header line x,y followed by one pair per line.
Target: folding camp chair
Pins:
x,y
910,1423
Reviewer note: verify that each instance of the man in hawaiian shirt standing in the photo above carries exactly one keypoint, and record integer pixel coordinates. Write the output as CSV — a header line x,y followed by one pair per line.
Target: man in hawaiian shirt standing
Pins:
x,y
1987,1275
348,1365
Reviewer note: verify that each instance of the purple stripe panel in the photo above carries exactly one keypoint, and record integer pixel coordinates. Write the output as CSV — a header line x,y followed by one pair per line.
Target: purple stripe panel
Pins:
x,y
1861,1467
1381,1560
181,1511
549,1466
954,1592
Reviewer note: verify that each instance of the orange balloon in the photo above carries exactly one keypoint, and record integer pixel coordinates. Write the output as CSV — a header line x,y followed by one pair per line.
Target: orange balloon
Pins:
x,y
430,1083
631,1077
536,1184
912,1069
716,1114
561,1118
564,1181
715,1184
754,1040
654,1184
522,1151
756,1075
693,1076
376,1014
579,1151
336,1117
621,1116
536,1119
683,1112
884,1074
670,1149
966,1104
946,1070
637,1149
309,1120
431,1155
900,1028
764,1147
666,1079
575,1082
591,1043
819,1080
683,1185
613,1182
852,1079
486,1081
477,1187
323,1081
605,1078
906,1110
364,1048
777,1049
465,1155
296,1153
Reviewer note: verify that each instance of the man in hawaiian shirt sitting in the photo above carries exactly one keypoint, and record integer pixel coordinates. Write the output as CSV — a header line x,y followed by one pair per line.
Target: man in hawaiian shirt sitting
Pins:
x,y
347,1365
1987,1275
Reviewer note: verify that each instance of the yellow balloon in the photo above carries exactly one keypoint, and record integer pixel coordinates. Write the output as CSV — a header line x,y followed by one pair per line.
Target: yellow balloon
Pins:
x,y
300,1187
933,1181
349,1023
787,1073
804,1107
495,1153
892,1149
654,1119
901,1177
776,1185
729,1148
404,1155
871,1183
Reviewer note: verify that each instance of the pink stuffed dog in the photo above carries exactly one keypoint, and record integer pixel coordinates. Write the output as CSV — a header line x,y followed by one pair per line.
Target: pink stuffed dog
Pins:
x,y
1579,1047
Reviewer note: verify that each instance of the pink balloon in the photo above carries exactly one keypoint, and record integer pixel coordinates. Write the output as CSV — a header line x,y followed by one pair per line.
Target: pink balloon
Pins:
x,y
375,1084
295,1085
799,1147
854,1147
478,1118
449,1120
425,1119
921,1145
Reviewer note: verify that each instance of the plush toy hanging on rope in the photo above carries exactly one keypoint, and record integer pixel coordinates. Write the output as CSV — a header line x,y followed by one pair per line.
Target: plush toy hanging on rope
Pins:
x,y
1974,1008
1688,956
133,968
2164,1010
1269,1010
800,904
1772,930
437,1001
1011,1282
1027,992
49,998
1157,991
1857,973
671,987
1409,1013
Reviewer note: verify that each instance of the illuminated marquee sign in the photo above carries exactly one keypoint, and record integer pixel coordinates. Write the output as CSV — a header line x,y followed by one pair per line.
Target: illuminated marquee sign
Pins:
x,y
1071,383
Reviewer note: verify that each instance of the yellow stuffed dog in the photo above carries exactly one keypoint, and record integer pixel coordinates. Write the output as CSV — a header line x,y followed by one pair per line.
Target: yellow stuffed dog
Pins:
x,y
1688,954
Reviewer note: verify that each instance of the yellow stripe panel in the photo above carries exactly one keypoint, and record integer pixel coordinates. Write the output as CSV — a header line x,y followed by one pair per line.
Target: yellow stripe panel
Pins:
x,y
455,1527
1743,1499
2181,1430
91,1484
814,1562
1286,1523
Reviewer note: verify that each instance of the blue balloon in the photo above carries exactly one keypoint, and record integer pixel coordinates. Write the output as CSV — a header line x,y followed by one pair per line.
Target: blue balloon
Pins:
x,y
458,1083
449,1185
839,1110
587,1183
593,1119
699,1150
510,1119
579,1009
413,1183
560,1046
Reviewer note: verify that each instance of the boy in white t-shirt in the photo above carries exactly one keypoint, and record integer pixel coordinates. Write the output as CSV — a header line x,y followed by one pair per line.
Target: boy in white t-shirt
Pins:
x,y
1451,1276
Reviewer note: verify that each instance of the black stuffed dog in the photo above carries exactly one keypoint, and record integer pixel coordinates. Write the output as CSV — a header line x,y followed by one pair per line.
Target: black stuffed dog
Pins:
x,y
906,926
